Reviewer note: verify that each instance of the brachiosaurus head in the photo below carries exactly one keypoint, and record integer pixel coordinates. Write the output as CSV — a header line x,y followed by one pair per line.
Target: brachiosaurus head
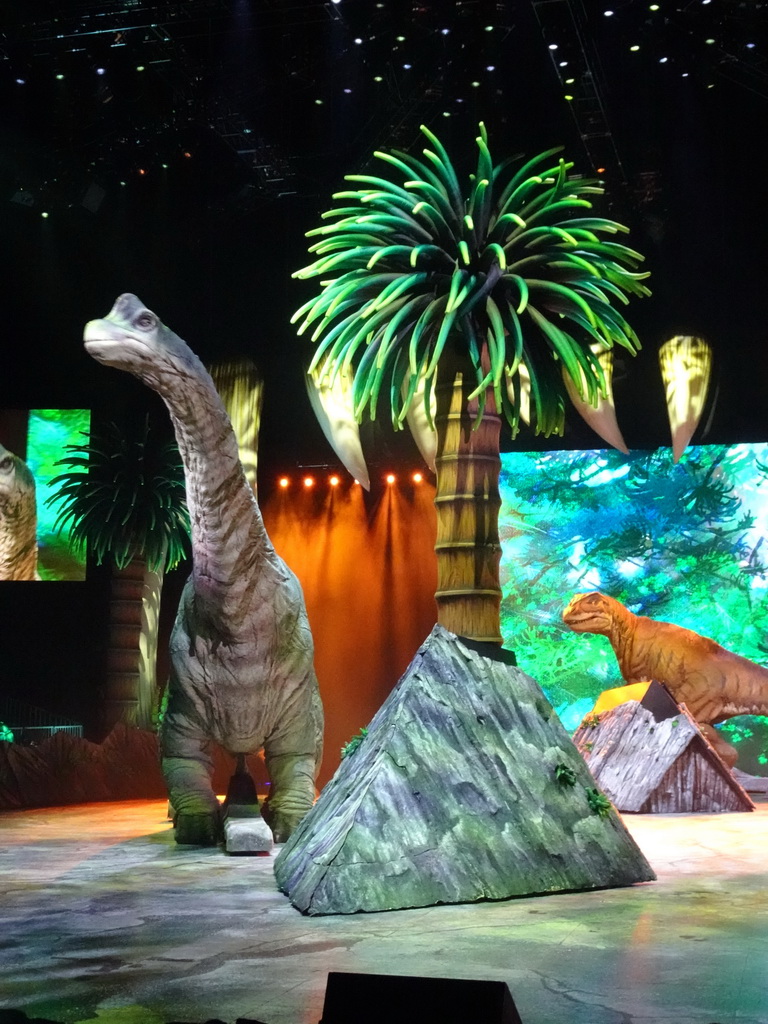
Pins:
x,y
132,338
592,613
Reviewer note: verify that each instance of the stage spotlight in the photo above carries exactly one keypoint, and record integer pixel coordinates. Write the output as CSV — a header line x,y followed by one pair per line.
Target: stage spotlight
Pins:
x,y
21,81
139,67
309,481
283,482
101,71
390,478
44,215
417,478
334,481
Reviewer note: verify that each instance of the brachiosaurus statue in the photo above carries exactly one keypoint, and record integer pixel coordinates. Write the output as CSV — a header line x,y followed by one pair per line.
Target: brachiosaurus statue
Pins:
x,y
241,650
713,683
18,519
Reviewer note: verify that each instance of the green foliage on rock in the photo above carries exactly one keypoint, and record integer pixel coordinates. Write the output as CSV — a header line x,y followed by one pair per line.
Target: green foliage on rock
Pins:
x,y
599,804
350,747
565,775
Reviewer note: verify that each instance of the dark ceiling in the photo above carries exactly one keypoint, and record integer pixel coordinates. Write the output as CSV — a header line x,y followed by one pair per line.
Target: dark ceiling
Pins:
x,y
181,150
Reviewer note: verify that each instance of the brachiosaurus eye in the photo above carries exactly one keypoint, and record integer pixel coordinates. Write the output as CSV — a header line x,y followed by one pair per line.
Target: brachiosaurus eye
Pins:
x,y
145,321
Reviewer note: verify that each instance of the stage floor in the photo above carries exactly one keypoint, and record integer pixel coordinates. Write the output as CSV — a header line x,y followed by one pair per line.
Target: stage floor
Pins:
x,y
103,917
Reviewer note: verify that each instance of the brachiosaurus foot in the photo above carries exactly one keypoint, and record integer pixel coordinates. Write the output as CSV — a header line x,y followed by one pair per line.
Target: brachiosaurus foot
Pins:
x,y
197,829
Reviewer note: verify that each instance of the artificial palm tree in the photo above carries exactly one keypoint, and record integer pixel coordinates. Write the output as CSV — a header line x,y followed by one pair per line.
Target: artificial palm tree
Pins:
x,y
128,508
465,301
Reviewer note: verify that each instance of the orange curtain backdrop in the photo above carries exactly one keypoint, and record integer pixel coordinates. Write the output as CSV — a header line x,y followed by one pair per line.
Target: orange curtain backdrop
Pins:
x,y
368,569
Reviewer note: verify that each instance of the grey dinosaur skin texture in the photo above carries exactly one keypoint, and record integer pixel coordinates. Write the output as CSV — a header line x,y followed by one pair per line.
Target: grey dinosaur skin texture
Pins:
x,y
18,519
241,650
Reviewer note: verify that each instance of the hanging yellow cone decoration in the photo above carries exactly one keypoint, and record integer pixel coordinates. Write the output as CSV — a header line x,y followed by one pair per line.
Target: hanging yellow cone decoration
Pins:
x,y
686,367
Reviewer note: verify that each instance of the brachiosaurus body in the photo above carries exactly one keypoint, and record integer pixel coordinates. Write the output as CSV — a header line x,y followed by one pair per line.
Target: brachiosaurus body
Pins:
x,y
18,519
241,650
714,684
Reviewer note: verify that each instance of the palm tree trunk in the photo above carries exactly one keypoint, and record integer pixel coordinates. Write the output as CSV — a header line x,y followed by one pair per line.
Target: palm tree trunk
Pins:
x,y
130,691
467,500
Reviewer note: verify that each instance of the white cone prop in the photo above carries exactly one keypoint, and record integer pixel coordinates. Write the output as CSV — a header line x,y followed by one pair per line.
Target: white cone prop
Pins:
x,y
601,417
423,434
686,366
525,393
333,406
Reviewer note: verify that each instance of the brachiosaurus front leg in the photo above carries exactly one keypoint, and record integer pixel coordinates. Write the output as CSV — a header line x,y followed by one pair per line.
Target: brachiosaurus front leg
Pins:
x,y
293,754
188,768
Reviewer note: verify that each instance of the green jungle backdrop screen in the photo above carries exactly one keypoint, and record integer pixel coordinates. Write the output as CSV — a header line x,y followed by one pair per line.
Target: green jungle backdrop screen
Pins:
x,y
49,431
685,543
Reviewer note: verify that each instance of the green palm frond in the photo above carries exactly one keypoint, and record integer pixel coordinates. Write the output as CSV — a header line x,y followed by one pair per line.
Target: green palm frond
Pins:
x,y
518,268
130,503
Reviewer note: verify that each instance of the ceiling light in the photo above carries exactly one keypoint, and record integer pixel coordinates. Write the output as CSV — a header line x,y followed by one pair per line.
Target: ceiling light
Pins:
x,y
553,46
634,48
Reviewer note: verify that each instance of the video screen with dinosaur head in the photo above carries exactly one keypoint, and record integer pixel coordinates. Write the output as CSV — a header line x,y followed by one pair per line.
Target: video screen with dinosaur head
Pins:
x,y
685,543
32,442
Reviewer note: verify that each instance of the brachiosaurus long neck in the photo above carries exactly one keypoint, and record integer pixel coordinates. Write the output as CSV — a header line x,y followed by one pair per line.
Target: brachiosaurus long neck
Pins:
x,y
229,542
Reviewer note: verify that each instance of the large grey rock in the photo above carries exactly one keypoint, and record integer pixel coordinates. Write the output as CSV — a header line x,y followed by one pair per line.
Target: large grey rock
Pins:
x,y
454,796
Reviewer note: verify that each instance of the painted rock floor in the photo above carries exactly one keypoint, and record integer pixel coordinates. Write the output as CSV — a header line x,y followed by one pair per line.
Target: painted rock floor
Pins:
x,y
103,917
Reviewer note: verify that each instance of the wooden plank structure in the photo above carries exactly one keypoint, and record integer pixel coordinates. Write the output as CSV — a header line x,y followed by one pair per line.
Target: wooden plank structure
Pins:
x,y
465,787
651,761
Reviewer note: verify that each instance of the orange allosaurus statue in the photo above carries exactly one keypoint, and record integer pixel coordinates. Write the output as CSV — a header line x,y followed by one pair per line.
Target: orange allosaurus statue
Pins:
x,y
713,683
